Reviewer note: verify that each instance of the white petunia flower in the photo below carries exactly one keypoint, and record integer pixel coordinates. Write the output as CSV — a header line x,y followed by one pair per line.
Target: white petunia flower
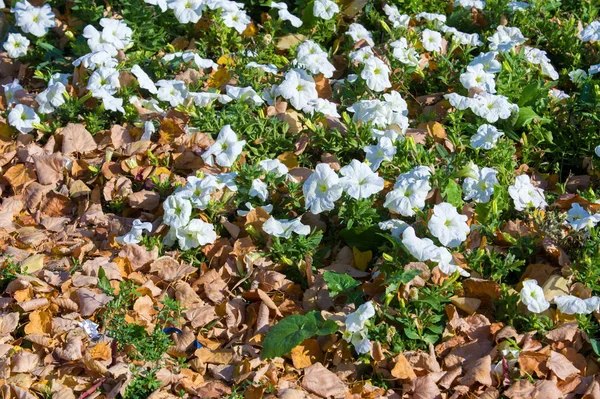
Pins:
x,y
259,189
198,190
187,11
34,20
322,189
431,17
569,304
135,234
396,226
532,296
266,208
407,195
480,189
558,94
104,79
161,3
404,53
225,149
525,194
95,60
478,4
196,233
421,249
383,151
311,57
447,225
323,106
285,15
359,181
325,9
358,32
51,98
236,19
143,79
10,89
298,87
505,38
177,211
244,94
518,6
579,219
489,62
446,263
432,40
459,102
22,118
356,321
492,107
578,76
398,20
591,32
377,74
270,68
172,91
16,45
477,77
486,137
274,166
284,228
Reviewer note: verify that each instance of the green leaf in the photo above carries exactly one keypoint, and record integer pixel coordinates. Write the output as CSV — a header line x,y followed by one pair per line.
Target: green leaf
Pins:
x,y
287,334
595,346
453,193
328,327
104,282
363,238
411,333
529,94
339,283
403,277
527,115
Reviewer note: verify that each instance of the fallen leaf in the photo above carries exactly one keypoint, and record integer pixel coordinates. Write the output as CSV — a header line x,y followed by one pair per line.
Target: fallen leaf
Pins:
x,y
76,138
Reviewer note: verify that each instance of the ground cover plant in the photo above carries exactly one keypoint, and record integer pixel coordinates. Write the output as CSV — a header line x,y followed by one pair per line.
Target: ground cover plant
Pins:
x,y
300,199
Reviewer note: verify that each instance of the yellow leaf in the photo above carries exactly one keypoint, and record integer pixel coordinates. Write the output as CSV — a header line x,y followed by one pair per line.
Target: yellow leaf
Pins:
x,y
251,30
40,322
218,78
306,354
362,259
101,351
289,159
226,60
33,264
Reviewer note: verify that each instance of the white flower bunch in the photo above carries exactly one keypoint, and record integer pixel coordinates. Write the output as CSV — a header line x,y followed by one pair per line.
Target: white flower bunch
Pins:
x,y
477,77
311,57
284,228
16,45
382,114
480,187
578,218
569,304
384,150
398,20
188,233
539,57
526,195
115,35
298,87
492,107
225,150
405,53
134,236
506,38
285,15
410,192
322,189
356,331
325,9
53,97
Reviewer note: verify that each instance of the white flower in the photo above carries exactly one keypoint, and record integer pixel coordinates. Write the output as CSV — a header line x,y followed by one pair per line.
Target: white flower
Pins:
x,y
285,15
177,211
391,134
259,189
284,228
518,5
431,17
466,39
492,107
447,225
393,110
478,4
591,32
489,62
143,79
579,219
405,54
204,99
446,263
597,151
104,79
10,89
505,38
322,189
51,98
407,195
477,77
558,94
459,102
323,106
420,248
532,296
110,102
355,321
569,304
225,149
270,68
273,166
16,45
310,56
486,137
195,234
525,194
432,40
198,190
187,11
325,9
236,19
396,226
96,60
161,3
358,32
578,76
34,20
266,208
383,151
244,94
481,188
22,118
398,20
359,181
135,234
172,91
298,87
376,74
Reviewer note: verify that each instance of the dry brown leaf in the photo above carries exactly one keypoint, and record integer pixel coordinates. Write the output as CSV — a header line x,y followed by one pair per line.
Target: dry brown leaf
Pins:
x,y
19,176
402,369
322,382
49,168
307,354
561,366
24,362
480,371
168,269
40,322
77,139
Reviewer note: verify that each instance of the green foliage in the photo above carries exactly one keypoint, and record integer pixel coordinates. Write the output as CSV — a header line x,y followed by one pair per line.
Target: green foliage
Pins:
x,y
339,283
8,272
143,384
292,331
